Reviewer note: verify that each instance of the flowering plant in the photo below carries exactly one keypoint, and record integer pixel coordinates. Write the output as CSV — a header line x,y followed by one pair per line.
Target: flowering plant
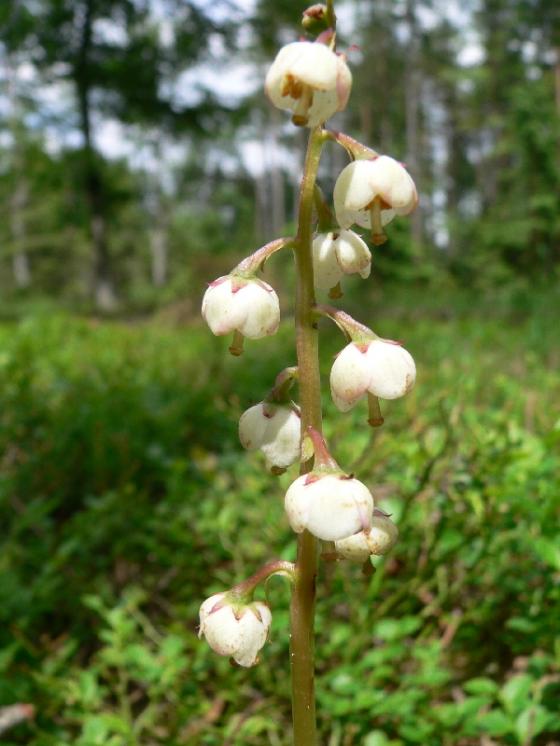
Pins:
x,y
323,504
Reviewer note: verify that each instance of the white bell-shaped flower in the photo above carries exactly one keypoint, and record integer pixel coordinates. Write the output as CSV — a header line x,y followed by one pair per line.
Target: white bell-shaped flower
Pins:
x,y
250,307
339,254
330,506
275,429
310,80
378,539
371,192
235,630
382,367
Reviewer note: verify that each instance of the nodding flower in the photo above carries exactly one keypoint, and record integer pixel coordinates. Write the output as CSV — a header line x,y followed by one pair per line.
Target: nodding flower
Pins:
x,y
372,192
381,367
338,254
247,306
310,80
235,629
331,507
378,539
275,429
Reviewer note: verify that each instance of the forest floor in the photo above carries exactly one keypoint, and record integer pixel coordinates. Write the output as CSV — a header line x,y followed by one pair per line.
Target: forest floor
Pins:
x,y
127,500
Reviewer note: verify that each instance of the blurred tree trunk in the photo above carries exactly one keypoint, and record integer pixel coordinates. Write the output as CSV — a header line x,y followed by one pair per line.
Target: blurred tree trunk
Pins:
x,y
453,165
159,250
20,196
277,195
261,207
20,260
412,111
103,289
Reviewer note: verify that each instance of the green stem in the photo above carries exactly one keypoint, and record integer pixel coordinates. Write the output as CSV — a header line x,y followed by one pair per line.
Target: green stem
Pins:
x,y
273,567
331,16
302,609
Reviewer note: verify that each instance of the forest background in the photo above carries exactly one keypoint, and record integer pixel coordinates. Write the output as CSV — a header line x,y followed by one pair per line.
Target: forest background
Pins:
x,y
139,160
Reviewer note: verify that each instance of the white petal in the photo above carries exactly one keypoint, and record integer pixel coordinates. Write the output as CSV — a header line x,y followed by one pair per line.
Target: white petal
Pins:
x,y
354,548
361,181
252,635
346,218
353,254
281,440
220,308
338,507
353,191
392,370
261,310
221,630
296,504
382,535
379,539
208,605
313,64
252,426
392,182
317,67
350,377
324,105
325,264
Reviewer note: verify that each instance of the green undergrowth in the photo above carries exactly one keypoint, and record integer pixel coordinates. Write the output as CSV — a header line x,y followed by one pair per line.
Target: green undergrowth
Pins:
x,y
126,500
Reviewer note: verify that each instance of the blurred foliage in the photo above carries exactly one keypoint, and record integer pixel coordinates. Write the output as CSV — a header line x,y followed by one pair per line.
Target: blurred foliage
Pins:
x,y
115,115
126,501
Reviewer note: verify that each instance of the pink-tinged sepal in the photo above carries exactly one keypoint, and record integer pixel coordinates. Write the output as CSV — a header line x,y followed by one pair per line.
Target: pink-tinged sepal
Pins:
x,y
310,478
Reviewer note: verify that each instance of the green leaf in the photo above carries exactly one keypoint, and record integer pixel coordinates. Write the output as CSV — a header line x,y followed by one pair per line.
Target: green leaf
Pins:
x,y
532,721
521,624
494,723
481,685
393,629
548,551
376,738
516,693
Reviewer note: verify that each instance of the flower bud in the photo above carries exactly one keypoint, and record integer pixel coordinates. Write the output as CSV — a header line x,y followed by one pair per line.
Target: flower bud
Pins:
x,y
248,306
235,629
315,19
338,254
382,367
378,539
371,192
275,429
330,506
310,80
